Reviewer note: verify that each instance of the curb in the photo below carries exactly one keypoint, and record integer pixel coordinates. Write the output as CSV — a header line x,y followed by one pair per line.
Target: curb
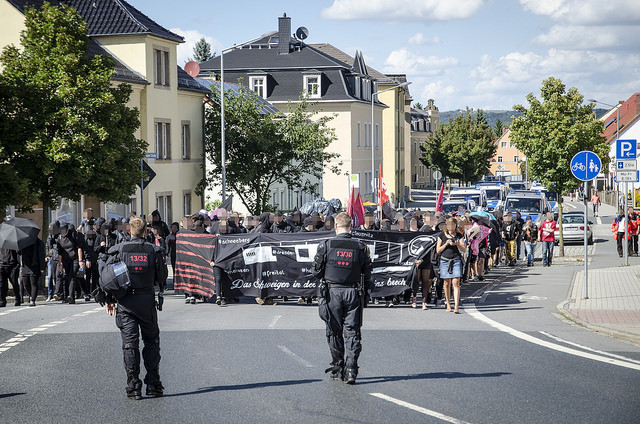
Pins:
x,y
569,318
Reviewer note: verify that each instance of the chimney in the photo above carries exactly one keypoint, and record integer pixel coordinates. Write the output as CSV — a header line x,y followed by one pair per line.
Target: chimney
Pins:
x,y
284,34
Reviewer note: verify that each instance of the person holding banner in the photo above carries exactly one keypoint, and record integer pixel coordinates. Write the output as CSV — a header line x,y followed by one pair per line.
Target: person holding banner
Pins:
x,y
449,246
344,266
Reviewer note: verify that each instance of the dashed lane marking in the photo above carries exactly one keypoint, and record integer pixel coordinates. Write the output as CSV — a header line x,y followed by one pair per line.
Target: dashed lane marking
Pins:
x,y
560,348
274,321
16,309
420,409
18,338
296,357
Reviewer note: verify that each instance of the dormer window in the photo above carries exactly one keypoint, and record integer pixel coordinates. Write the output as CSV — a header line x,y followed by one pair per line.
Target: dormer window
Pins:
x,y
312,86
357,84
258,85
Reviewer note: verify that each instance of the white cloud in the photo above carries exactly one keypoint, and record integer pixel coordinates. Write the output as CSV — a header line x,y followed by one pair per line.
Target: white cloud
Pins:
x,y
586,12
419,39
586,37
404,61
413,10
191,37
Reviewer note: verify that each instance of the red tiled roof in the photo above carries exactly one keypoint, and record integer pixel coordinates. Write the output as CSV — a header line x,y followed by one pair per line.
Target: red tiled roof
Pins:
x,y
629,111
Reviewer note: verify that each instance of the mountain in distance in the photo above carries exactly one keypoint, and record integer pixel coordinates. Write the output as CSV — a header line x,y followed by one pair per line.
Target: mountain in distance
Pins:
x,y
506,116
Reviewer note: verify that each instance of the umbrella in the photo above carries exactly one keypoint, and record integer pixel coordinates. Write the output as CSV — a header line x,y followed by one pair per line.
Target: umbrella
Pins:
x,y
485,214
18,233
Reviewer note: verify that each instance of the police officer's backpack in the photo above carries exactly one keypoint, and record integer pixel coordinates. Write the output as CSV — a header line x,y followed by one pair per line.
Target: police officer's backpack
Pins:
x,y
114,279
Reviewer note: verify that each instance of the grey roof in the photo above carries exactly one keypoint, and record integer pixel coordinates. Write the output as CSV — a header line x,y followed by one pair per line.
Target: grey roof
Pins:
x,y
235,89
187,82
109,17
285,71
338,54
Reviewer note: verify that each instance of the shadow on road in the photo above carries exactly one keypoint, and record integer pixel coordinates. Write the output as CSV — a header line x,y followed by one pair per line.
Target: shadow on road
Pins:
x,y
243,387
7,395
427,376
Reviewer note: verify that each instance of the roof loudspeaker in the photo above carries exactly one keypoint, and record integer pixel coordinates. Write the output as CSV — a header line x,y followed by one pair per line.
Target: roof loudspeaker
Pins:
x,y
301,33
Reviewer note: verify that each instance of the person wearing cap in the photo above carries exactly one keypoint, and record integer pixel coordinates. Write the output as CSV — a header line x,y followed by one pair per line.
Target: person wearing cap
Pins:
x,y
71,260
307,225
329,223
157,220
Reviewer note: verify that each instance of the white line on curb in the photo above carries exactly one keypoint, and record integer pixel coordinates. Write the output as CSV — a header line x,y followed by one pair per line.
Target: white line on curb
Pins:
x,y
296,357
526,337
420,409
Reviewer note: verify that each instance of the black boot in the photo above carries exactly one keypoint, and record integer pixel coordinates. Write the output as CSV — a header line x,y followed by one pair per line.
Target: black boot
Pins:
x,y
350,375
155,390
337,370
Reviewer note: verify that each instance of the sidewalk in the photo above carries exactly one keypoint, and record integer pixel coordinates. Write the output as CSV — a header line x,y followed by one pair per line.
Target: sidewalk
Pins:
x,y
613,306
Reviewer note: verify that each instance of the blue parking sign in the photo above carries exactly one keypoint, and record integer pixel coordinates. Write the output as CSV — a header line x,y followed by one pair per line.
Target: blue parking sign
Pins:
x,y
585,165
626,149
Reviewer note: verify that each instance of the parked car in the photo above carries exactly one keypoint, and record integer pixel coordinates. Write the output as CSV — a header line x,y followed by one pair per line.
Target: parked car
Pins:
x,y
573,228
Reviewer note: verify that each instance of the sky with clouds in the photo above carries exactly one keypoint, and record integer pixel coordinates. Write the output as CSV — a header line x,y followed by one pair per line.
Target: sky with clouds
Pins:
x,y
485,54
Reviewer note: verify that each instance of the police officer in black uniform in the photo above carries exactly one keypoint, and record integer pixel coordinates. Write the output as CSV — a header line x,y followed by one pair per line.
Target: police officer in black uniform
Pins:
x,y
136,311
344,266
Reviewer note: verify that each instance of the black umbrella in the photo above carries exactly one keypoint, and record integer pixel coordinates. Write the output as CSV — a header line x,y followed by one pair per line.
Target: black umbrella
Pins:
x,y
18,233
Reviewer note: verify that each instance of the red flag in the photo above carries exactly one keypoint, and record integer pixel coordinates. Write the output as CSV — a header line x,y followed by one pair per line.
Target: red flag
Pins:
x,y
383,196
355,208
440,199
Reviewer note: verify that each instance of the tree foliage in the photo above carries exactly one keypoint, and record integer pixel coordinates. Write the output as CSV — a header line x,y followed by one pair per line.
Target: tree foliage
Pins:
x,y
461,148
552,131
202,51
263,149
497,128
71,131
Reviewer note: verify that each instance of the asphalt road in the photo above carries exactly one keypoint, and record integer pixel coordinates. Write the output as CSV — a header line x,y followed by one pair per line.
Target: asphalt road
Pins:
x,y
507,358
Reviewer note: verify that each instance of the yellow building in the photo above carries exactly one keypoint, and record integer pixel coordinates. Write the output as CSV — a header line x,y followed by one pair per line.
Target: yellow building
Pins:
x,y
169,101
424,123
508,161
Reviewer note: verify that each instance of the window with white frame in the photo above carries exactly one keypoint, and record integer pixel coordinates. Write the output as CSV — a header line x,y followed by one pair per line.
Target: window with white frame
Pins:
x,y
377,136
161,67
357,87
503,144
186,203
163,205
163,139
499,158
186,139
358,134
516,158
312,85
258,85
366,135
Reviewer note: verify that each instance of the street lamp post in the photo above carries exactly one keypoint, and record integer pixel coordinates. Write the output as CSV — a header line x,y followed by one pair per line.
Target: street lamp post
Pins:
x,y
222,143
373,157
625,247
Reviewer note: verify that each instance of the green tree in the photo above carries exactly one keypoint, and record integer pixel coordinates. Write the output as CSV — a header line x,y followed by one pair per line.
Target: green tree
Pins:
x,y
418,105
202,51
460,148
551,131
263,149
73,132
497,128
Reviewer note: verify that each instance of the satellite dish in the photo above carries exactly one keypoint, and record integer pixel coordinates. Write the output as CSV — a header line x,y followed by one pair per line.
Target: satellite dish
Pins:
x,y
302,33
192,68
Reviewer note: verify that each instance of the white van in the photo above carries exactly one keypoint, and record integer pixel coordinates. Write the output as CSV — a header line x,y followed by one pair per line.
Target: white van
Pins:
x,y
478,195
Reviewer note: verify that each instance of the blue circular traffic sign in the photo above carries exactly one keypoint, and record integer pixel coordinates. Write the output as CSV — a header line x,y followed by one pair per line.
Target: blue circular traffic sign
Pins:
x,y
585,165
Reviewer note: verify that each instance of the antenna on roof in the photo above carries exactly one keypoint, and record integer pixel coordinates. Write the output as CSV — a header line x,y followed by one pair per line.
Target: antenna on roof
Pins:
x,y
301,33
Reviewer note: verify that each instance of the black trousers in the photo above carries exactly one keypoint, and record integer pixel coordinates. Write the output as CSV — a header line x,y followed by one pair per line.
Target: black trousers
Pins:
x,y
30,284
91,276
136,316
9,274
343,326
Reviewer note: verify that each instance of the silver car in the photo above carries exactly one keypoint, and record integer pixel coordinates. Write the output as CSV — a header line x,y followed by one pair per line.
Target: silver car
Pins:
x,y
573,228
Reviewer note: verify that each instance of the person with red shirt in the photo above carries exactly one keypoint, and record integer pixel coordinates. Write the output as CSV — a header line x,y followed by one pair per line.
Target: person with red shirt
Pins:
x,y
548,239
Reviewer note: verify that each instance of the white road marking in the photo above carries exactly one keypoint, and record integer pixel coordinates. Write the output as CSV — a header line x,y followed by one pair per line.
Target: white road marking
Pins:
x,y
526,337
613,355
15,340
274,321
571,205
420,409
296,357
10,311
598,220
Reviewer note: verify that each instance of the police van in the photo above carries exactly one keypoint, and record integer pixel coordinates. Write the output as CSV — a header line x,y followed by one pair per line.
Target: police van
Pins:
x,y
528,203
478,195
496,193
551,196
455,206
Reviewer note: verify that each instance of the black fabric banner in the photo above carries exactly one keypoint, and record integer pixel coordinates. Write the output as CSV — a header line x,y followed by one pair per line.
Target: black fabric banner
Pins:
x,y
192,271
265,264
